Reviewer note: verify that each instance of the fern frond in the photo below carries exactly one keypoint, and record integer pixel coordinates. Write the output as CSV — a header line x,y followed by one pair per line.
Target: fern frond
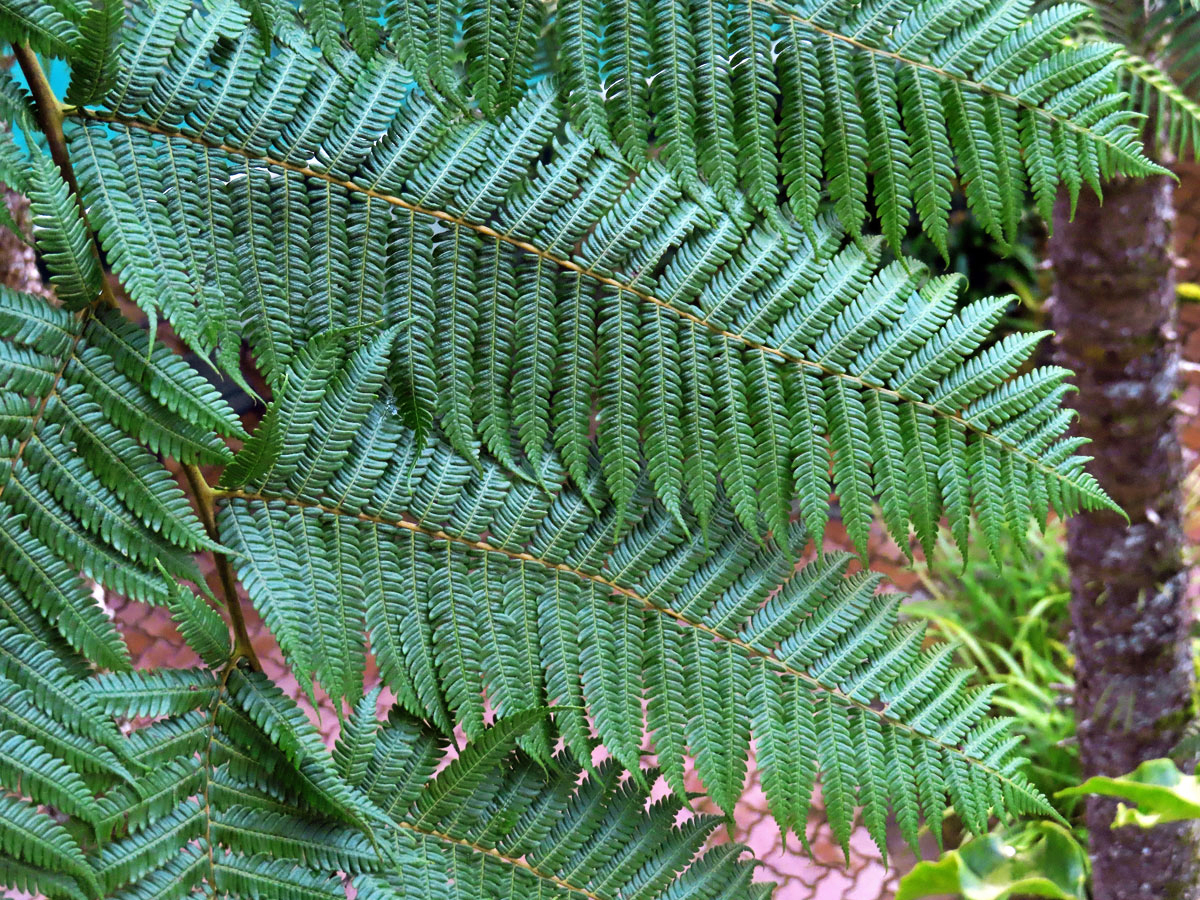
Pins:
x,y
81,496
40,24
1174,110
43,777
610,270
271,821
537,421
27,835
1159,66
95,56
199,624
63,240
657,599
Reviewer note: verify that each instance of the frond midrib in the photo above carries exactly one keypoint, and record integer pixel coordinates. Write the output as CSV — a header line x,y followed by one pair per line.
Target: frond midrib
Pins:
x,y
629,593
497,855
207,766
569,265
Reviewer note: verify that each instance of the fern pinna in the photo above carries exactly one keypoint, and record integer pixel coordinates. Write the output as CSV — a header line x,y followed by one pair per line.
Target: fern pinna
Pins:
x,y
818,95
539,410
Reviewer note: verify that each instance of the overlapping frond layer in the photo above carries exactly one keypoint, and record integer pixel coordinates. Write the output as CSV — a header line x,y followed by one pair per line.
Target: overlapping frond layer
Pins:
x,y
87,407
87,404
806,95
235,794
472,580
534,411
810,93
529,297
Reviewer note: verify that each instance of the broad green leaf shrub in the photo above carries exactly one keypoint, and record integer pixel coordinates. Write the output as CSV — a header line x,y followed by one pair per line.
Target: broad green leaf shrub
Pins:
x,y
549,427
1033,859
1161,792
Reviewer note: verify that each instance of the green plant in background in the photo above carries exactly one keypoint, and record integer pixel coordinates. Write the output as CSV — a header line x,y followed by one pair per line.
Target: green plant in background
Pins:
x,y
1032,859
446,276
1007,614
1162,793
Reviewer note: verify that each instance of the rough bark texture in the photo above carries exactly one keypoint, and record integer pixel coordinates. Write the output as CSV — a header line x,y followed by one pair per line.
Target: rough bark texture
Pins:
x,y
1114,313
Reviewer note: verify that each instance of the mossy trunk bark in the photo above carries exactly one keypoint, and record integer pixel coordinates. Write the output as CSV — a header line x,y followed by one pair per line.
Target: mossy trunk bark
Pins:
x,y
1114,314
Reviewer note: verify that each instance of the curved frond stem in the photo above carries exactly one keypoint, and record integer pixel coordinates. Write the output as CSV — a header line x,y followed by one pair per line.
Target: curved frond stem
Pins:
x,y
571,266
629,594
47,109
205,502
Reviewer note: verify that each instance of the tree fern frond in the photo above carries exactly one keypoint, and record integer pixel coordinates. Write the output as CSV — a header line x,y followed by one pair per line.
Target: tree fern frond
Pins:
x,y
129,808
818,635
27,835
32,879
537,421
491,816
20,714
167,692
1159,66
43,777
726,292
54,688
97,52
82,496
1175,111
40,24
63,240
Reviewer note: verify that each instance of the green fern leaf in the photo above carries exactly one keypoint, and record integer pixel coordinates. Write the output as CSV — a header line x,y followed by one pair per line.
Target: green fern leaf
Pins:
x,y
199,624
597,589
61,237
742,278
538,418
42,25
34,837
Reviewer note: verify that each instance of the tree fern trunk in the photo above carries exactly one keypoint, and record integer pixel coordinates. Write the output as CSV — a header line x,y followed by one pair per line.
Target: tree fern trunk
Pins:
x,y
1114,312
